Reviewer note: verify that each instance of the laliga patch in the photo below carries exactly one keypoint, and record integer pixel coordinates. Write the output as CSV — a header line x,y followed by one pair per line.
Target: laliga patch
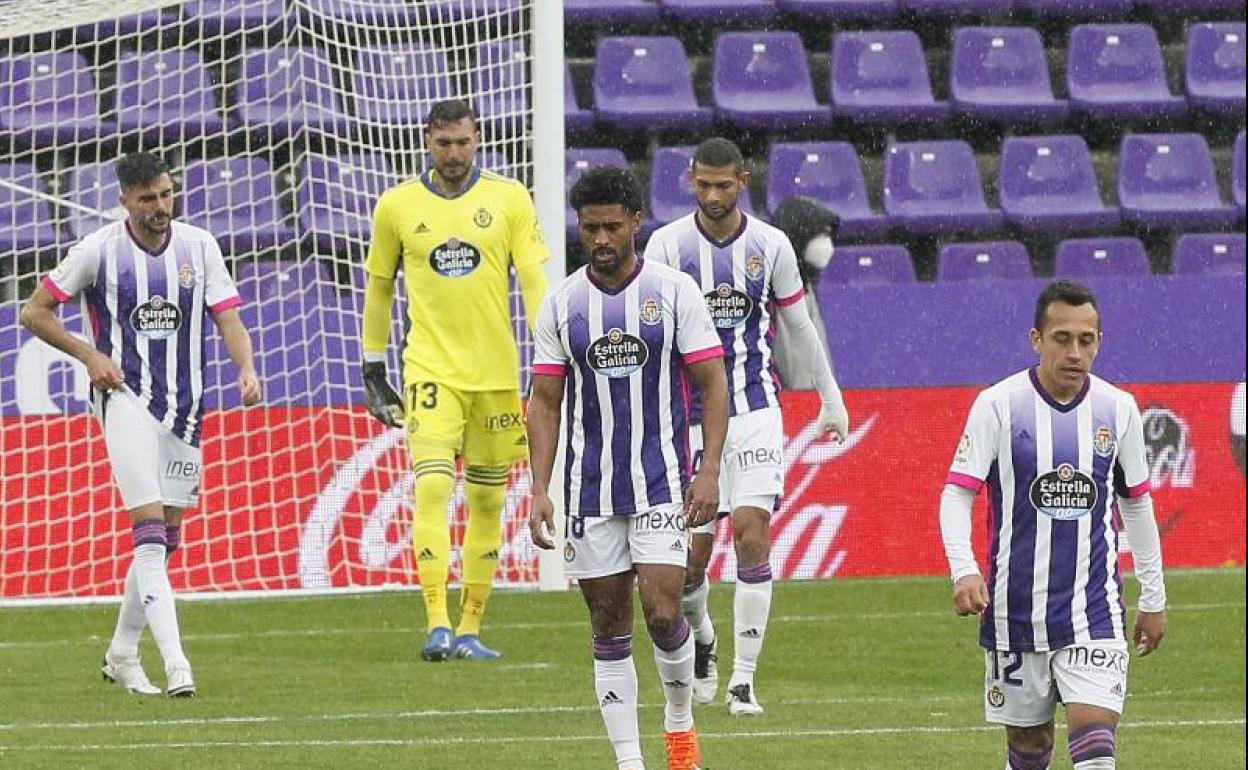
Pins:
x,y
454,259
617,354
963,455
728,306
1103,441
1064,493
156,319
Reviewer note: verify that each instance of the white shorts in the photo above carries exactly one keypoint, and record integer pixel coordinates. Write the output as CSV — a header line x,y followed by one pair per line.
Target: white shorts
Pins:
x,y
597,546
1022,689
149,463
753,464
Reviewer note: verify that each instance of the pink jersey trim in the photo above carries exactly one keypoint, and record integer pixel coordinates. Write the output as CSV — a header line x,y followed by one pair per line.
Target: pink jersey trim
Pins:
x,y
793,300
54,290
702,355
550,370
229,303
1141,489
963,480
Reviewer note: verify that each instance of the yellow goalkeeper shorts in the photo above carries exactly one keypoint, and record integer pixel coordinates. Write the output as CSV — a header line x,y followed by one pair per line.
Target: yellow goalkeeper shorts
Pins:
x,y
484,427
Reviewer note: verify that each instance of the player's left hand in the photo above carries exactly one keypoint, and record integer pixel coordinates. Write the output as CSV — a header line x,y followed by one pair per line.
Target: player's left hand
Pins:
x,y
542,520
702,498
1150,627
834,419
249,387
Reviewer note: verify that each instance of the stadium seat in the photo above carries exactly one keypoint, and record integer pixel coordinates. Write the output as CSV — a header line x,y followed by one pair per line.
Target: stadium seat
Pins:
x,y
1167,180
996,260
496,161
761,80
1094,257
1213,72
1116,71
499,80
952,7
719,11
610,11
1048,184
882,77
285,89
50,98
335,197
934,187
449,11
218,17
166,95
28,221
1192,6
108,29
1076,8
840,9
235,200
576,162
395,85
575,117
376,14
1238,173
1209,254
94,191
1002,73
830,173
877,263
645,82
264,280
670,195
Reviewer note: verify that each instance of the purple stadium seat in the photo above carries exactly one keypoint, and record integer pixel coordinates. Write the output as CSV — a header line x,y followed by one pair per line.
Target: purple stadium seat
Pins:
x,y
166,94
335,197
217,17
1214,69
1002,73
28,221
717,11
395,85
577,161
265,280
1209,254
234,199
934,187
1167,180
830,173
445,11
1116,71
882,77
1093,257
995,260
877,263
610,11
1238,173
1191,6
499,80
670,195
840,9
380,14
575,117
1076,8
1048,184
50,98
645,82
284,89
950,7
110,29
93,188
761,80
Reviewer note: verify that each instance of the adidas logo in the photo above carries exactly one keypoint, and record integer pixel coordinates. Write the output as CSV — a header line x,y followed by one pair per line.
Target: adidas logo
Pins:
x,y
426,555
492,555
676,684
677,546
421,228
1023,435
750,633
1116,689
522,441
611,699
148,600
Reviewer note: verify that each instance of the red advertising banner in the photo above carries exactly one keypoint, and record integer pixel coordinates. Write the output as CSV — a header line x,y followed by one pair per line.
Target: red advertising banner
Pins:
x,y
321,497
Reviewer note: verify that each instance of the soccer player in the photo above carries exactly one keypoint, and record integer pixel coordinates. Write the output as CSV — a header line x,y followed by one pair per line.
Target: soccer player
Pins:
x,y
742,266
1055,447
618,338
148,282
456,232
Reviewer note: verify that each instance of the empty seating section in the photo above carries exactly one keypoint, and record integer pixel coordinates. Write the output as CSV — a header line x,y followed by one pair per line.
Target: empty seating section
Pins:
x,y
761,80
934,187
166,96
1214,67
499,80
395,85
50,98
1117,71
285,89
1002,73
830,173
1095,257
235,200
881,263
645,82
1047,183
1209,253
882,77
993,260
1167,180
25,212
335,196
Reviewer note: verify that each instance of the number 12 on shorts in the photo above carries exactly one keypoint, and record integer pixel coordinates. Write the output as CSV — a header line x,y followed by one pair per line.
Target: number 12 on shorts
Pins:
x,y
1012,662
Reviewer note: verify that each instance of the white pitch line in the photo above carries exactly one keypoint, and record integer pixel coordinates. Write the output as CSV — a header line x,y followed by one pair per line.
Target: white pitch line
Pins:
x,y
513,740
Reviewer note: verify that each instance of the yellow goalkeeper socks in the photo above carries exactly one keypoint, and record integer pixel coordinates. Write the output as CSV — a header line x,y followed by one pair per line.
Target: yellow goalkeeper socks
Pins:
x,y
485,488
431,535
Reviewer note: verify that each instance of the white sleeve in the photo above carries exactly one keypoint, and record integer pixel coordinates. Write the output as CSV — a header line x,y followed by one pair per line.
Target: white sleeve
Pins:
x,y
550,357
1141,525
786,278
1131,472
220,293
955,530
808,346
696,338
657,251
977,449
76,272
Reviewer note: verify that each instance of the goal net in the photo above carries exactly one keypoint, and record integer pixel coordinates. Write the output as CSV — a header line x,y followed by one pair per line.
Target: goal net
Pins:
x,y
283,121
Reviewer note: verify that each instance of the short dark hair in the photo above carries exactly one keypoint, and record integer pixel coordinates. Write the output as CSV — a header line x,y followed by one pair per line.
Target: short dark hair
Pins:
x,y
139,168
607,186
718,152
1066,291
449,111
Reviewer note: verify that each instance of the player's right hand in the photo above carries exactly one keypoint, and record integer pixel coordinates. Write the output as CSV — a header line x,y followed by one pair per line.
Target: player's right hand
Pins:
x,y
970,595
542,520
383,402
104,373
834,419
702,498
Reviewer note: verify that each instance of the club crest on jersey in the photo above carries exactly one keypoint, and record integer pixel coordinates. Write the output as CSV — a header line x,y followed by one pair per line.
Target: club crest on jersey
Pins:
x,y
996,698
617,354
1103,441
569,553
728,306
186,276
157,318
754,267
454,259
482,218
651,312
1064,493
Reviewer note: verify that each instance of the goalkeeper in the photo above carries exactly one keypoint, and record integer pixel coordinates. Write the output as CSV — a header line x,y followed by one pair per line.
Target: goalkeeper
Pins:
x,y
455,231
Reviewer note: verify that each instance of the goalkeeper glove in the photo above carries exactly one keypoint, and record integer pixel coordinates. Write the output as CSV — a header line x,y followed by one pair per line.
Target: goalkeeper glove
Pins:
x,y
383,402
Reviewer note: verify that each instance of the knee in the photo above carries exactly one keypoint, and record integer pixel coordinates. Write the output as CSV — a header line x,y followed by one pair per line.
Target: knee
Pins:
x,y
1031,740
752,539
663,624
694,577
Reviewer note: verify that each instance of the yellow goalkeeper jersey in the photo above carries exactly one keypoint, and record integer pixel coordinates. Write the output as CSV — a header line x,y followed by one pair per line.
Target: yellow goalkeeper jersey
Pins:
x,y
455,254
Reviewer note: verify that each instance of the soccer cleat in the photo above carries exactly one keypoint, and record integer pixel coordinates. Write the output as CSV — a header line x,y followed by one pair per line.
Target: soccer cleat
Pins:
x,y
179,683
705,672
438,646
742,702
469,647
683,752
128,673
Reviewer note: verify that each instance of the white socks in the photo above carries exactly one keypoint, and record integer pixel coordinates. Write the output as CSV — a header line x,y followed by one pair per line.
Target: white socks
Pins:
x,y
130,621
693,607
156,595
751,606
676,673
615,682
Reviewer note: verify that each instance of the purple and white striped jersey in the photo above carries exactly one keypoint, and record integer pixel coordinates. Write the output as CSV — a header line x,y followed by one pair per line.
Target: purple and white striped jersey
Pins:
x,y
739,278
147,312
1051,471
626,399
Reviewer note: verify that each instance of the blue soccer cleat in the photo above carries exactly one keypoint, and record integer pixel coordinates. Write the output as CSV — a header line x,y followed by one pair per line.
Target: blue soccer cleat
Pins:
x,y
469,647
438,646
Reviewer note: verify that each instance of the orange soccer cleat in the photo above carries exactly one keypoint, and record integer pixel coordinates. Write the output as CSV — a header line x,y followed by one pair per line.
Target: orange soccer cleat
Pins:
x,y
683,752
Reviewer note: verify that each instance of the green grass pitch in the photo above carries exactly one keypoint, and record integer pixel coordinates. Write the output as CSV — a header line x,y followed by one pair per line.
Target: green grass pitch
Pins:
x,y
857,674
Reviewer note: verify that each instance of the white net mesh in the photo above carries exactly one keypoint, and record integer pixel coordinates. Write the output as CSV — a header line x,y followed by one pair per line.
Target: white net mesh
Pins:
x,y
284,120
